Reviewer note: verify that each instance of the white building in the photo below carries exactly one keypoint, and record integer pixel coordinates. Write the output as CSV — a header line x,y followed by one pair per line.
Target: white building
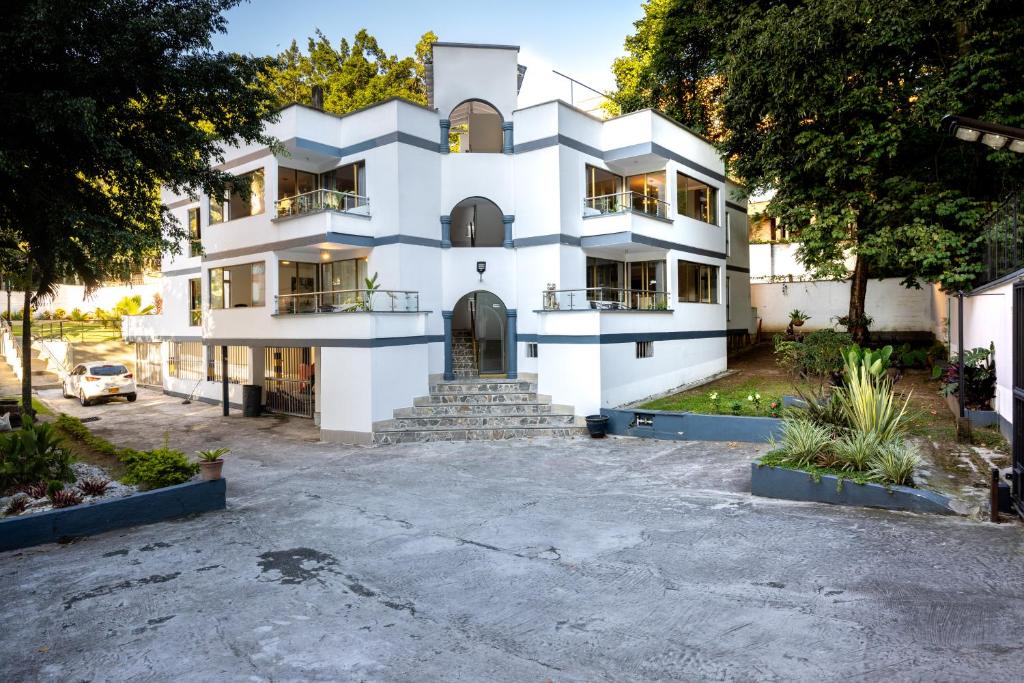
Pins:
x,y
597,262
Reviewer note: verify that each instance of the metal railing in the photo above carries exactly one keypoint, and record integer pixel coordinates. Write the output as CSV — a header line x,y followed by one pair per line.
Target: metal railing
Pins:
x,y
604,299
625,201
71,330
347,301
1002,240
321,200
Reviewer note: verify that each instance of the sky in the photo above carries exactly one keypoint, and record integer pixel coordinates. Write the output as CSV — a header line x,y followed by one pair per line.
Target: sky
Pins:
x,y
577,38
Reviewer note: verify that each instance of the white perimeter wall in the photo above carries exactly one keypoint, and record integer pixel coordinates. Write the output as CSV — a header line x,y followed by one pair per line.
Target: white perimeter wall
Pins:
x,y
893,307
70,297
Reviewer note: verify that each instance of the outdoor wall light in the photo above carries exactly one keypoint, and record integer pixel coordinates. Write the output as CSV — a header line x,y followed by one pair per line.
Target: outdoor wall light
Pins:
x,y
993,135
481,267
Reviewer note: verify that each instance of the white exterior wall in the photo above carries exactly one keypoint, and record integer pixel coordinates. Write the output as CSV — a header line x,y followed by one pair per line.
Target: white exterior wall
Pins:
x,y
893,307
364,368
70,297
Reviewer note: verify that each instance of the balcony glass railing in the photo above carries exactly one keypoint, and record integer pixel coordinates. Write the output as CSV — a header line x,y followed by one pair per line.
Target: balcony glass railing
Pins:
x,y
625,201
1002,240
347,301
321,200
605,299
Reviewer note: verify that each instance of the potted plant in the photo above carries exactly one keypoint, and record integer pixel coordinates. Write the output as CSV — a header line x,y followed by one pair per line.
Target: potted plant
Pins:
x,y
797,317
211,463
597,425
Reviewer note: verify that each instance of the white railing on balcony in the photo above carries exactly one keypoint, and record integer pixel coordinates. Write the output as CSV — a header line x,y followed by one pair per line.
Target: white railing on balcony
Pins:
x,y
604,299
347,301
619,202
321,200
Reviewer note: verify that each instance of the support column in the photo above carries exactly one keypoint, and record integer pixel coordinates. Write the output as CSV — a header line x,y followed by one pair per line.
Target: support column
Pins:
x,y
446,232
506,137
513,344
449,374
446,126
507,221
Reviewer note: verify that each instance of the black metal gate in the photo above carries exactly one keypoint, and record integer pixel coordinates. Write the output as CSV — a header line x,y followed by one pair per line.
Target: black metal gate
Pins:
x,y
149,364
289,375
1017,475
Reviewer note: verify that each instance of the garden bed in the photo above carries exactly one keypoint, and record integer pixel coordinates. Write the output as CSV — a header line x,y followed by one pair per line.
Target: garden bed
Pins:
x,y
103,515
978,418
772,481
685,426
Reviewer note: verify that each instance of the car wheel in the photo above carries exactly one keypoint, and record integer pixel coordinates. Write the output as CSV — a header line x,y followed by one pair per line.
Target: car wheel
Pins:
x,y
64,390
132,397
83,399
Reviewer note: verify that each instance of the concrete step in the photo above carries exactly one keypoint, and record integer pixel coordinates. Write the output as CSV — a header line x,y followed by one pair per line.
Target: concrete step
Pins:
x,y
480,399
450,422
492,409
483,385
385,437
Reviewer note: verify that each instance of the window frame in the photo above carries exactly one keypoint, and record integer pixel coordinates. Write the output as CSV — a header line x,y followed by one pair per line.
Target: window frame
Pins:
x,y
712,204
195,312
223,204
218,284
713,275
195,232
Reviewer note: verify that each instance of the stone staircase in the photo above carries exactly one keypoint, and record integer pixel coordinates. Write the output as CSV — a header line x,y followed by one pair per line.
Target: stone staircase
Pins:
x,y
44,374
474,409
464,362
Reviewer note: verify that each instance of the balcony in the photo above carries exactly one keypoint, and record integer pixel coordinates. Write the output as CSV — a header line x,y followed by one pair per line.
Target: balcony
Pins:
x,y
1002,241
625,202
604,299
319,201
347,301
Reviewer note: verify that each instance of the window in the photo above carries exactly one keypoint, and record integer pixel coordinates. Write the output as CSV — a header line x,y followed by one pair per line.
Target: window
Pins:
x,y
195,233
238,364
728,233
728,300
291,182
350,178
186,360
531,349
238,286
696,199
345,278
645,349
601,183
698,283
238,205
195,301
635,285
475,127
649,194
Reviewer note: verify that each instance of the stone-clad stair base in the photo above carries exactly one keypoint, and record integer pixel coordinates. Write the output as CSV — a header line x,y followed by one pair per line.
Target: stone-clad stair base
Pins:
x,y
479,410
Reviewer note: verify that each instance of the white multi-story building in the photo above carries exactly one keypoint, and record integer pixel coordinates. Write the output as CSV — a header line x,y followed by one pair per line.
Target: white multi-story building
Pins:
x,y
595,261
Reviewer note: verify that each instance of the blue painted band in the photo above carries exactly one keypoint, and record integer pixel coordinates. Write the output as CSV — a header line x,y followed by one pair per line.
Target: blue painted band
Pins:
x,y
734,205
375,343
622,337
542,240
365,145
738,269
182,271
617,238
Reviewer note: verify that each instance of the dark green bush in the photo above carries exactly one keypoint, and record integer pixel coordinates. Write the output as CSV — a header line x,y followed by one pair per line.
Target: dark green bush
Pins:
x,y
819,354
33,453
158,468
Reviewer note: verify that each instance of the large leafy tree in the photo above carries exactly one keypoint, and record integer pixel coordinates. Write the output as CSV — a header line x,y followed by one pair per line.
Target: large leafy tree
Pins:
x,y
352,75
102,103
836,105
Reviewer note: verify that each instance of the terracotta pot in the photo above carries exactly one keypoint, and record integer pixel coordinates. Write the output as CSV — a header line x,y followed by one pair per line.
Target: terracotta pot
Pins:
x,y
798,323
210,469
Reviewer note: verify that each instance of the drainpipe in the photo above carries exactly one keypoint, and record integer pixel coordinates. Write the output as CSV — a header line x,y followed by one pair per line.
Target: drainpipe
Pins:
x,y
224,376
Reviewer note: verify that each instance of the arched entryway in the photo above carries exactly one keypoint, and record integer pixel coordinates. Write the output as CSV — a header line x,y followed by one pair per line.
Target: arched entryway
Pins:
x,y
477,222
480,337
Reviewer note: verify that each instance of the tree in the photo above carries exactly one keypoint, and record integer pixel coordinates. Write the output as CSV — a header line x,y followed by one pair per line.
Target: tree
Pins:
x,y
352,76
836,106
104,102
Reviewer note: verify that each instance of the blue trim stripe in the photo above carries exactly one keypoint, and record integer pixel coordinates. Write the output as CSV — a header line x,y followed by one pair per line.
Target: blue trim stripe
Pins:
x,y
628,237
622,338
365,145
376,343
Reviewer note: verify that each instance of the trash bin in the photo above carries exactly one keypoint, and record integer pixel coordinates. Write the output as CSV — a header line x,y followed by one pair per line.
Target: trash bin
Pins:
x,y
252,397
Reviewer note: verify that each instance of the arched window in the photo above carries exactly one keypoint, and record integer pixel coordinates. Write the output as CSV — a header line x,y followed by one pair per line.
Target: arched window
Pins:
x,y
475,127
476,222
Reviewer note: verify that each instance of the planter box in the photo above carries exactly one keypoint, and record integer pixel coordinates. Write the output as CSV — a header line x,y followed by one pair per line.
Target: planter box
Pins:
x,y
781,482
662,424
978,418
104,515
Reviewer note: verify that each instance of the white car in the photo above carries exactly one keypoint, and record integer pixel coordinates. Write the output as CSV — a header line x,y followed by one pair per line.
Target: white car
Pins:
x,y
97,381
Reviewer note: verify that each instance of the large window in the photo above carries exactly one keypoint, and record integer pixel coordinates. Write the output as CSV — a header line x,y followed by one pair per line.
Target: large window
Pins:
x,y
291,182
237,204
602,183
238,286
186,360
698,283
475,127
639,284
238,364
649,194
195,301
696,199
195,233
349,178
611,193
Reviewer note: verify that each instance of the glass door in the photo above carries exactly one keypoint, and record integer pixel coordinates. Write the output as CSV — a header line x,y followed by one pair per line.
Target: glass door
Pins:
x,y
489,320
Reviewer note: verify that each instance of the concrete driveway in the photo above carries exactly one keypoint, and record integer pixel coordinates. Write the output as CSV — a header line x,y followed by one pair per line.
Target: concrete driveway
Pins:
x,y
522,561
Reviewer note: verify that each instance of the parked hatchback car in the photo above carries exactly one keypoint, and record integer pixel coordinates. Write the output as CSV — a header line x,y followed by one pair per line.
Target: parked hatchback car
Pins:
x,y
99,381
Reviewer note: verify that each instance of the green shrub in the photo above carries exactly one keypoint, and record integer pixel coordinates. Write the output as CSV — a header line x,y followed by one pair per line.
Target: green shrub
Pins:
x,y
894,463
33,453
868,400
158,468
803,442
826,411
853,452
820,354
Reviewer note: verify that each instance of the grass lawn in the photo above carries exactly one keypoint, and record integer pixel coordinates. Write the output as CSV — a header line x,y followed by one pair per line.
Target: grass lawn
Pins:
x,y
84,331
729,394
